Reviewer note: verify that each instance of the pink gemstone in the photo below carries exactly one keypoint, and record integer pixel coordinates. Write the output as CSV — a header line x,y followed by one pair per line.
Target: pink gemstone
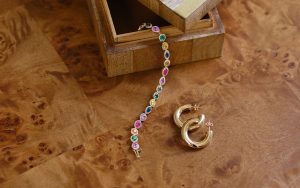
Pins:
x,y
165,71
155,29
143,117
135,146
138,124
162,81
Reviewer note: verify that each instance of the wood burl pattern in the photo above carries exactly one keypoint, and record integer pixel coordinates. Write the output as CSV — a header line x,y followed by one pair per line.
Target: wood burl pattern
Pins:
x,y
252,94
43,111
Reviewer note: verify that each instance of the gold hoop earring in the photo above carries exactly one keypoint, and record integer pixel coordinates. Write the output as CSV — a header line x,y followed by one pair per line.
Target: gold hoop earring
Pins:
x,y
180,110
192,124
195,144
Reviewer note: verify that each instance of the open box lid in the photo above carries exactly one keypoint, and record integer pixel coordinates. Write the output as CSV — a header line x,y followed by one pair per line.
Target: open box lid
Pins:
x,y
183,14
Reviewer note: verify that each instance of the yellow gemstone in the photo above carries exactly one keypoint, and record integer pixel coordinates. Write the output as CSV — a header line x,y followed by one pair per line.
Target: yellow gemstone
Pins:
x,y
165,45
152,103
167,63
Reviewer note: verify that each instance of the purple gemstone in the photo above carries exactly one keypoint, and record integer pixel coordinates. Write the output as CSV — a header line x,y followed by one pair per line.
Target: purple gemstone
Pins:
x,y
143,117
162,81
135,146
155,29
138,124
165,71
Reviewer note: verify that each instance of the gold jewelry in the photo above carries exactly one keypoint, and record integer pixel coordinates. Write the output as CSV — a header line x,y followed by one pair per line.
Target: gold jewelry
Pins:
x,y
180,110
192,124
162,81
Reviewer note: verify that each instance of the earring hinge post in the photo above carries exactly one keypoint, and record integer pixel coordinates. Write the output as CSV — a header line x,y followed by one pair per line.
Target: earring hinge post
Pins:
x,y
196,107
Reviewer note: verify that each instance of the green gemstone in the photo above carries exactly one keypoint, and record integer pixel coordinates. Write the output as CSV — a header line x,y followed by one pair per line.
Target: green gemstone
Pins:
x,y
134,138
156,95
162,37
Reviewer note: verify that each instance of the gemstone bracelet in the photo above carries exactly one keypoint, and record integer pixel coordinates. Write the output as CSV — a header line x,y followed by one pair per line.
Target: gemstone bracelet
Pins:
x,y
138,123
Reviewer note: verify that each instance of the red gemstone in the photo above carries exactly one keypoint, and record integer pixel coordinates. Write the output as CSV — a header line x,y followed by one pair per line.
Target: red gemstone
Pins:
x,y
165,71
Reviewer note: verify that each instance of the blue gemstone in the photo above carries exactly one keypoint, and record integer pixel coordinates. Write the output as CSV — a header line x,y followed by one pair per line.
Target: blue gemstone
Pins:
x,y
167,54
148,110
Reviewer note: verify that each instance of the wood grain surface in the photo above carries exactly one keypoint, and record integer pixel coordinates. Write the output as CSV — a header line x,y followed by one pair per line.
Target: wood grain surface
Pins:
x,y
181,13
183,7
252,94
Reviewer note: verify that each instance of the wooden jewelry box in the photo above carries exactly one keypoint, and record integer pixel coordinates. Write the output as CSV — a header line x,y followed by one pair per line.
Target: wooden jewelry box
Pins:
x,y
183,14
127,50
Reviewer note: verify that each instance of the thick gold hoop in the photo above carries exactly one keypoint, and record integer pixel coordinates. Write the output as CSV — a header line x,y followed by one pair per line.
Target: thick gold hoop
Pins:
x,y
195,144
180,110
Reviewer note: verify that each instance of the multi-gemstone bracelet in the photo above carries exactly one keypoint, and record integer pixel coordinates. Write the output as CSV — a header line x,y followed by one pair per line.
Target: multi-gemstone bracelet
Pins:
x,y
138,123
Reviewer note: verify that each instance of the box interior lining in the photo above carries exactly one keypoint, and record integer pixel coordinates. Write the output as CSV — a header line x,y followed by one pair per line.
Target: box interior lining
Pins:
x,y
127,15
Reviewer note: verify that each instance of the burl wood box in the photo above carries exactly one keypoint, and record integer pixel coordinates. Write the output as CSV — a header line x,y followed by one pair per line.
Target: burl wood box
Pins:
x,y
127,50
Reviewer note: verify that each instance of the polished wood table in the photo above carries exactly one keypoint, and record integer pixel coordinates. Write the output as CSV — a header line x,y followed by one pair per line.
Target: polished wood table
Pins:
x,y
63,123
